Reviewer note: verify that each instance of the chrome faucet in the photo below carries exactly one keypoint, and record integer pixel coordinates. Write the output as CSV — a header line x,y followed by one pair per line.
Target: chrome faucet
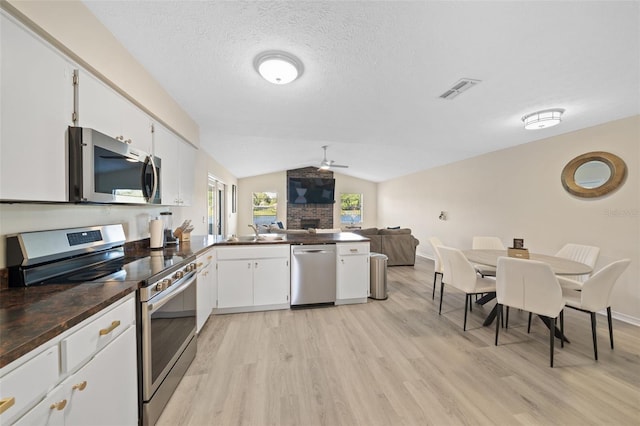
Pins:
x,y
255,229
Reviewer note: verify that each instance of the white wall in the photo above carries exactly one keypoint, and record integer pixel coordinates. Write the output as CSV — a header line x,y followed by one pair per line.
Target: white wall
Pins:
x,y
517,192
277,182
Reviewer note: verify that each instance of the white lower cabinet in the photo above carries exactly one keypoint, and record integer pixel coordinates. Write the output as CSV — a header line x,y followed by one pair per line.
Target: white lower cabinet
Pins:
x,y
100,386
103,392
206,287
353,272
253,278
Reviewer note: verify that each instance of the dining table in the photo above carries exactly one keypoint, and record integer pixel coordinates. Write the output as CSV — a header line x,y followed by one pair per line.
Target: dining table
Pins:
x,y
559,265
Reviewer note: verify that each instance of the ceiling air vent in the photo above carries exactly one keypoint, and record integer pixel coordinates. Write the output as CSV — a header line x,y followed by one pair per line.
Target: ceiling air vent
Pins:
x,y
460,86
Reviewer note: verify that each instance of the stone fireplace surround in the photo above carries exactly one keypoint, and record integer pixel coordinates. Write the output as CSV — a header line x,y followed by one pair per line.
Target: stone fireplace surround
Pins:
x,y
304,216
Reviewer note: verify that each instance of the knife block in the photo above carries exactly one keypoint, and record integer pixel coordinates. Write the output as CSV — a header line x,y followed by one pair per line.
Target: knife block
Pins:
x,y
181,235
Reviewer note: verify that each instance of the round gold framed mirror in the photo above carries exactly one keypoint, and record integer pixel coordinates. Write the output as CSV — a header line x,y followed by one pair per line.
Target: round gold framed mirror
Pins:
x,y
593,174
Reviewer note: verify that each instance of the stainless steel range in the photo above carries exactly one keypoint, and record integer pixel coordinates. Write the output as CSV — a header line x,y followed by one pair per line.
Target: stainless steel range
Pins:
x,y
168,330
166,314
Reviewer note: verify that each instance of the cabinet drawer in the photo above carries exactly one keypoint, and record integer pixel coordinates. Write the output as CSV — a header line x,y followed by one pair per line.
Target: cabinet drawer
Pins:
x,y
352,248
95,335
252,252
29,382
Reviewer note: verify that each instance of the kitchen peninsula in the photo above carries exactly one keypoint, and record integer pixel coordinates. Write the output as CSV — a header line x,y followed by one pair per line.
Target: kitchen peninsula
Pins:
x,y
56,308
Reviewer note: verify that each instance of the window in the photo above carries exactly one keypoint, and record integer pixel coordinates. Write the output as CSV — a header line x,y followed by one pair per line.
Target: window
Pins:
x,y
265,207
350,208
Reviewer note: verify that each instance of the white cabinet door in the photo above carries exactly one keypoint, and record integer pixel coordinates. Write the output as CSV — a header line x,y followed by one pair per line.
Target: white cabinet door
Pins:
x,y
187,173
271,281
104,391
205,288
235,283
105,110
165,147
36,107
98,106
178,167
352,277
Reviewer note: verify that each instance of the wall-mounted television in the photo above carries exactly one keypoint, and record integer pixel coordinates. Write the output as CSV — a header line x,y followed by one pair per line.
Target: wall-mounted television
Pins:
x,y
311,190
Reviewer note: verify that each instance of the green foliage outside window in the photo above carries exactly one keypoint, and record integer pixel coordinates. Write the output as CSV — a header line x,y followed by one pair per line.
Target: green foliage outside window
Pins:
x,y
351,208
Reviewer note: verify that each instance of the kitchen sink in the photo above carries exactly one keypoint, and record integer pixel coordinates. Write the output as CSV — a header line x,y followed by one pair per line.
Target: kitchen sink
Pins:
x,y
263,238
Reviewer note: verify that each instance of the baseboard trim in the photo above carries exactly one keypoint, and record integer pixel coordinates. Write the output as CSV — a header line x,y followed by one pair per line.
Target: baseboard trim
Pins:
x,y
623,317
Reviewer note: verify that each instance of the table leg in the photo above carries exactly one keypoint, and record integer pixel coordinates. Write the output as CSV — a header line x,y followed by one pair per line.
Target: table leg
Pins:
x,y
492,315
486,298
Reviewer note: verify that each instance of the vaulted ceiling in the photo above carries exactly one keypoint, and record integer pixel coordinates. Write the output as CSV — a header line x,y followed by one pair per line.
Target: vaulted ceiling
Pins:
x,y
374,71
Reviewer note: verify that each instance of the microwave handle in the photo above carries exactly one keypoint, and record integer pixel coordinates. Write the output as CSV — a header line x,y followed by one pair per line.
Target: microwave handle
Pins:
x,y
150,196
155,180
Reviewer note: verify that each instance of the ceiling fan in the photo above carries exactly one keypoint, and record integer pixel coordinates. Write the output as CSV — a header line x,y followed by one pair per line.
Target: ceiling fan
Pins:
x,y
327,164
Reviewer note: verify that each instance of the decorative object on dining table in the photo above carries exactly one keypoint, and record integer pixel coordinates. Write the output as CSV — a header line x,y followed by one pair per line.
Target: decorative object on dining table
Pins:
x,y
520,253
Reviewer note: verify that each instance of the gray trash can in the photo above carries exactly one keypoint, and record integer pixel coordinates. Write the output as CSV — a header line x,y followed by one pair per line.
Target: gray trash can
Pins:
x,y
378,275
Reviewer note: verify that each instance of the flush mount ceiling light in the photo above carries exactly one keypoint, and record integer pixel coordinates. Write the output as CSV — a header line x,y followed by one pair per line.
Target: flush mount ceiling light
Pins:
x,y
543,119
278,67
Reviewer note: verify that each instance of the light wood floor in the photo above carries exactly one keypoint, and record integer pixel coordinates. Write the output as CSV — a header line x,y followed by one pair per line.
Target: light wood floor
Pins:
x,y
396,362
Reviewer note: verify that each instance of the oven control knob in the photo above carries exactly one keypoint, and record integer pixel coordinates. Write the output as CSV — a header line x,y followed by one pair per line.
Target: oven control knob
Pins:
x,y
178,275
191,267
166,282
159,287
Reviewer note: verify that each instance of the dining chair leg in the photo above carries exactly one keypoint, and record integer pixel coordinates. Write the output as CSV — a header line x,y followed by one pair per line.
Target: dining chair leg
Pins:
x,y
552,338
610,325
529,324
466,306
562,328
441,293
499,314
593,333
435,282
470,303
506,321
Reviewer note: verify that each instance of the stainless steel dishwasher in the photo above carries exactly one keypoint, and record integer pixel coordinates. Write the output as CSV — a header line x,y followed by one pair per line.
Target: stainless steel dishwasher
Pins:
x,y
313,274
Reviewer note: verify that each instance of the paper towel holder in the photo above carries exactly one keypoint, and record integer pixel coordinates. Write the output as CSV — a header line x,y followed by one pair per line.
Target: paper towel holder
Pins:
x,y
156,234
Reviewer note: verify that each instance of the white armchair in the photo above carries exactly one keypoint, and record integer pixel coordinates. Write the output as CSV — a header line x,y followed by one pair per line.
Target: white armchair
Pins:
x,y
595,295
580,253
533,287
436,243
459,273
486,243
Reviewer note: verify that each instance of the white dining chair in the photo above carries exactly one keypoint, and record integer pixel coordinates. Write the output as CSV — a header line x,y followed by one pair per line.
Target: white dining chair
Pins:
x,y
580,253
595,295
533,287
486,243
436,243
459,273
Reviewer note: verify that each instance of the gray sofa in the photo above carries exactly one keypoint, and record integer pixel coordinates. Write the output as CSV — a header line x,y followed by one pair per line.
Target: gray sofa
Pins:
x,y
398,244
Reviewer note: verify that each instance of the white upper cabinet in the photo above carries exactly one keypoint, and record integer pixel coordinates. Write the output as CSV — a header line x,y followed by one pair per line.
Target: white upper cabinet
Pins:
x,y
36,107
105,110
178,161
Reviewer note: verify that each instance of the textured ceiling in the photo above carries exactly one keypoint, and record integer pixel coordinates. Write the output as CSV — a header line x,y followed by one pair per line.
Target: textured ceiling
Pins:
x,y
374,72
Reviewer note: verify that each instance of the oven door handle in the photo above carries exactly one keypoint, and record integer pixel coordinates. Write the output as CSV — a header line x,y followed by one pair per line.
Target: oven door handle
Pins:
x,y
165,299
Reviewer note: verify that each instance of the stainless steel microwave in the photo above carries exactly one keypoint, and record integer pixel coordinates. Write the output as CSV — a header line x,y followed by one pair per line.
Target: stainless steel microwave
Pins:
x,y
105,170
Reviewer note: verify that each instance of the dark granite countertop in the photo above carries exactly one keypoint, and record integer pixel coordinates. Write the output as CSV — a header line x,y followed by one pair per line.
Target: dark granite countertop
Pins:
x,y
31,316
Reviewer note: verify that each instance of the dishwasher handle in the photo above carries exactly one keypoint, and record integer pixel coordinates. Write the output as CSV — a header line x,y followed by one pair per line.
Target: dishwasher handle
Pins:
x,y
311,251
